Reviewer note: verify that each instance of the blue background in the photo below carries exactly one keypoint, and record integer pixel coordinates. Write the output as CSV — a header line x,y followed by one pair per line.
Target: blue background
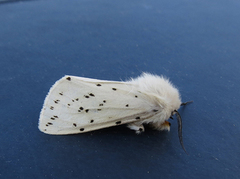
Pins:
x,y
194,43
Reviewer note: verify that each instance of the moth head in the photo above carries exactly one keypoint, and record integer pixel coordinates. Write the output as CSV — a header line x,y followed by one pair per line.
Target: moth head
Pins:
x,y
171,96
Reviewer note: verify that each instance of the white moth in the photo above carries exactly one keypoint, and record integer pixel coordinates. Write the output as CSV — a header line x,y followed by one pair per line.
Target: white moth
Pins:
x,y
77,105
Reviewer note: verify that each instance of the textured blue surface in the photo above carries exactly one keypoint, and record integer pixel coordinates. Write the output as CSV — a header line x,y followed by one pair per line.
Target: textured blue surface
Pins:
x,y
194,43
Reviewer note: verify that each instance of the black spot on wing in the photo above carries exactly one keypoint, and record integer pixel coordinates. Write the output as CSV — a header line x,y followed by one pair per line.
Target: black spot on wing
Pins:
x,y
91,94
56,101
68,78
104,101
54,117
136,96
101,104
49,123
81,129
114,89
98,84
74,124
137,117
127,105
118,122
51,107
86,96
87,110
91,121
61,93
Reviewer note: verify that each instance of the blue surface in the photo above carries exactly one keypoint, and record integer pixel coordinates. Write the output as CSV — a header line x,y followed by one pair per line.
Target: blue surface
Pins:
x,y
195,43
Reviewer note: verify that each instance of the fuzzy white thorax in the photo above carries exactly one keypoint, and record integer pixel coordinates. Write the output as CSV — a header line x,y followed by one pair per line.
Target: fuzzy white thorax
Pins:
x,y
161,92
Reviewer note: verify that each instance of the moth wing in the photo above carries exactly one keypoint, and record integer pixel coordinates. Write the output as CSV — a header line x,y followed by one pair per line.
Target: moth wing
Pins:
x,y
76,105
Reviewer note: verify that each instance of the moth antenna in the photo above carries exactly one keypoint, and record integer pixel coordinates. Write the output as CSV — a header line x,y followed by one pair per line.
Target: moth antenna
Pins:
x,y
179,119
183,104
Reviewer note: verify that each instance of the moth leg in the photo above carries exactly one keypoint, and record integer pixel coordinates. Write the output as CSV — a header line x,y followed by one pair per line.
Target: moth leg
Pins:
x,y
163,126
138,128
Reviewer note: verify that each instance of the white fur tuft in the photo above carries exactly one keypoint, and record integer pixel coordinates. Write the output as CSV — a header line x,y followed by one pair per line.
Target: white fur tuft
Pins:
x,y
161,92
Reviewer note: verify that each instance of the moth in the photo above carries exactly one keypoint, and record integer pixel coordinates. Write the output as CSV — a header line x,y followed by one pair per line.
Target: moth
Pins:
x,y
76,105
